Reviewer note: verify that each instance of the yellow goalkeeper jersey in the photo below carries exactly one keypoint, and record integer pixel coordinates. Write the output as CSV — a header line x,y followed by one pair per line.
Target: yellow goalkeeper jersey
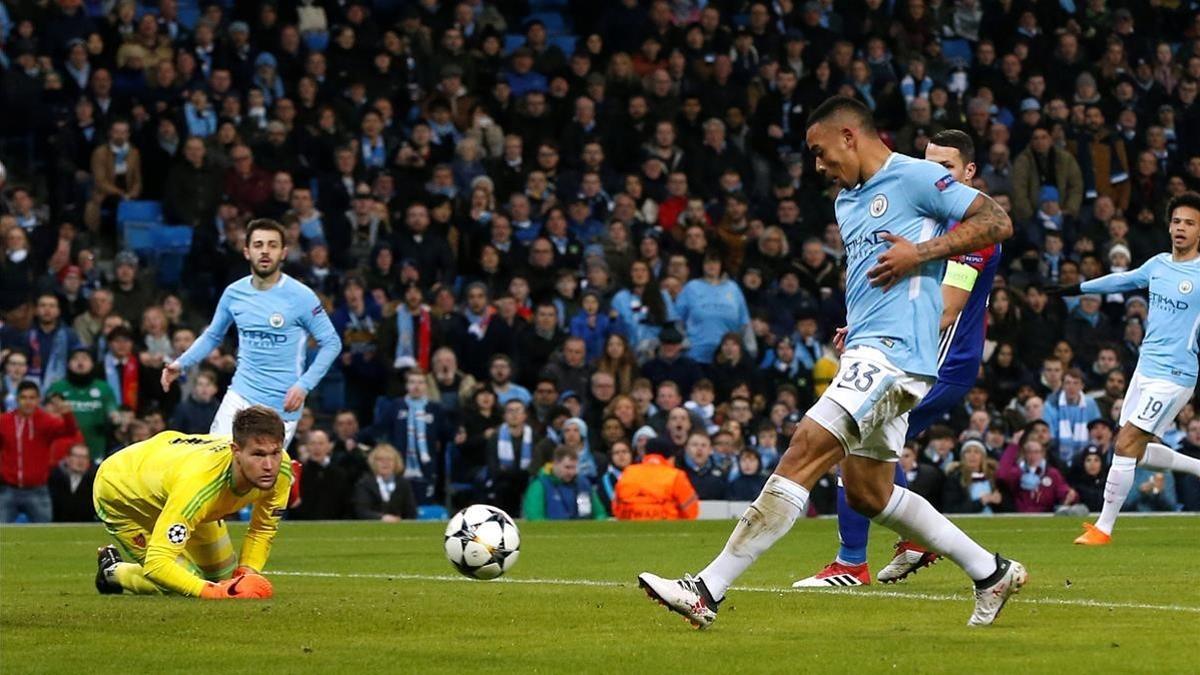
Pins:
x,y
174,482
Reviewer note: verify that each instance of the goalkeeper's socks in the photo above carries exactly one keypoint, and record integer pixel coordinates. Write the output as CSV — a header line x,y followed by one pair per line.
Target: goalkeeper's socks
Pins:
x,y
132,578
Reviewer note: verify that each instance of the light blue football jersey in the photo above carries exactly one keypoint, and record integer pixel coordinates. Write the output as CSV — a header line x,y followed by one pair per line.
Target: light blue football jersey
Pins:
x,y
914,199
273,328
1170,345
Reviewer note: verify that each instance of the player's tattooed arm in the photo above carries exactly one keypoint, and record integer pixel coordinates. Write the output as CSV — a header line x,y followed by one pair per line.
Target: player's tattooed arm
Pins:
x,y
984,224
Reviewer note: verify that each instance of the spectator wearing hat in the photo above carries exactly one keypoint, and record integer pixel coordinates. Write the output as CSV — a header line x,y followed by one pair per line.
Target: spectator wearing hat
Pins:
x,y
354,234
92,401
1049,216
970,485
749,479
521,76
1042,163
131,294
1088,477
672,364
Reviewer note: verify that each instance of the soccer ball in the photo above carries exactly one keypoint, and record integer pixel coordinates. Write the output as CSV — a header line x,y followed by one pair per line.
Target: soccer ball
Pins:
x,y
482,542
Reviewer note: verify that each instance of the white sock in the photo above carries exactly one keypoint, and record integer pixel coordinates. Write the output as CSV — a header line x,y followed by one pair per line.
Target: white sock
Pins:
x,y
1120,479
764,522
912,517
1161,458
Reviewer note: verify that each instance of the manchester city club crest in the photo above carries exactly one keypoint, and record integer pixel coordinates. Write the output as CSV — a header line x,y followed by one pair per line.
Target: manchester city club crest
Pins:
x,y
1185,286
878,206
276,320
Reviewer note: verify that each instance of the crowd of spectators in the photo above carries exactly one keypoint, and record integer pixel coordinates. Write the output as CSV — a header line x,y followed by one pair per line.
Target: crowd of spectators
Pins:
x,y
559,239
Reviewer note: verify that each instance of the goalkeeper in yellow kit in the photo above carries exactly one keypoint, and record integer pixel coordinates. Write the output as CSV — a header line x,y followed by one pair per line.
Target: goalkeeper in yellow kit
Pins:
x,y
165,499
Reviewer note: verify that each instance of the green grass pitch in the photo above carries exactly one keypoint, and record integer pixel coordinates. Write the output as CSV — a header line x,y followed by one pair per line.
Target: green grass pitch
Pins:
x,y
369,597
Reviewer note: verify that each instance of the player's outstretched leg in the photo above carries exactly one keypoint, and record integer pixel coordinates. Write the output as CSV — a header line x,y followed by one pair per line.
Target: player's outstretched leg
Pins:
x,y
849,568
1132,442
784,497
910,556
869,489
115,576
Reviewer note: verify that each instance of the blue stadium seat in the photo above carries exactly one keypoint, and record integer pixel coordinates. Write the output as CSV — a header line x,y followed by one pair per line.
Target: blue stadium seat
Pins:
x,y
135,210
512,41
189,16
957,50
316,41
173,238
136,221
555,24
547,5
565,43
432,512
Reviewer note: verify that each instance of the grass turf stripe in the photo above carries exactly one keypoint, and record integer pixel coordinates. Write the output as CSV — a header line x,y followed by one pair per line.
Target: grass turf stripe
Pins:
x,y
897,595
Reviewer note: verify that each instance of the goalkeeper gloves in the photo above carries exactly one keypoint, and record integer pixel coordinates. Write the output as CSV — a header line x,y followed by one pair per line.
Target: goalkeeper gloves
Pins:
x,y
249,586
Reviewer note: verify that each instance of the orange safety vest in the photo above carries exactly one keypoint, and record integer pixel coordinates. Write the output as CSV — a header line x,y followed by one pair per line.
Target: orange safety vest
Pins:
x,y
655,490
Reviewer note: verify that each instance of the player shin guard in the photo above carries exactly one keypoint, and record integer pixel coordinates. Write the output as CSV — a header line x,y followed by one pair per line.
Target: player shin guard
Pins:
x,y
853,529
132,578
914,518
764,522
1120,479
1161,458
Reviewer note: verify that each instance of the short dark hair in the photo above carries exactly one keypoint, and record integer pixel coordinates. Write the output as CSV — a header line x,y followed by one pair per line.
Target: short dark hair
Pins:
x,y
266,224
1187,199
563,452
26,385
957,139
839,105
257,421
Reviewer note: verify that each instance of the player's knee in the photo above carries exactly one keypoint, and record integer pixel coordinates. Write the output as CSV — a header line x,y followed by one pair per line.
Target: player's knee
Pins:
x,y
1131,441
866,499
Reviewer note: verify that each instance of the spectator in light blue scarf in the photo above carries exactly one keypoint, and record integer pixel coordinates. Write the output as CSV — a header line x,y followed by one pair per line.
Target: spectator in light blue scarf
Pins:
x,y
201,120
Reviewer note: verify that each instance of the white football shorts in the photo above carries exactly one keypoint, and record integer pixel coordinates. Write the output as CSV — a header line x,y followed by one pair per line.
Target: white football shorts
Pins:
x,y
866,406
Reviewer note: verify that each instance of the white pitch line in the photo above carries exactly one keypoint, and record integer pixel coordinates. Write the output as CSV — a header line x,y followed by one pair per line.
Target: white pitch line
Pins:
x,y
899,595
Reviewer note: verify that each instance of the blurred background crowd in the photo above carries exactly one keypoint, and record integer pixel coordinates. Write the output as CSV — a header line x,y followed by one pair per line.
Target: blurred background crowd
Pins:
x,y
571,236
